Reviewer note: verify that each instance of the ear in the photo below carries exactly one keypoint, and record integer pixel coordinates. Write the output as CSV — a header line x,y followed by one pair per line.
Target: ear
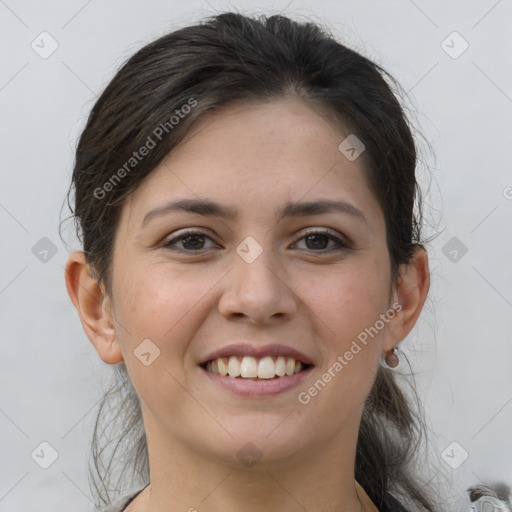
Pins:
x,y
411,292
94,308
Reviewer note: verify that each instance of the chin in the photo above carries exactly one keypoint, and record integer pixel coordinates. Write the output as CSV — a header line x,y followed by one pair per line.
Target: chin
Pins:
x,y
259,441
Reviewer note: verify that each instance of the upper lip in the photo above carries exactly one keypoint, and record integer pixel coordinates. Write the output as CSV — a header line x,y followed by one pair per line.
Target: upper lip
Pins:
x,y
244,349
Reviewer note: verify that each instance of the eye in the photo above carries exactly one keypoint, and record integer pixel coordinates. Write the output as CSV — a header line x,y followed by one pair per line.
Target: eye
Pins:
x,y
315,236
191,239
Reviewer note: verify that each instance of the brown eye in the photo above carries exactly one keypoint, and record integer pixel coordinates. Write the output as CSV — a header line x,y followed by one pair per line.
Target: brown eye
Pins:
x,y
191,242
317,241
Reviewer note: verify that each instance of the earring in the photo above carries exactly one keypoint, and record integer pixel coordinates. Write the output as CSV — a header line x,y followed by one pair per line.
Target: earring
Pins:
x,y
390,360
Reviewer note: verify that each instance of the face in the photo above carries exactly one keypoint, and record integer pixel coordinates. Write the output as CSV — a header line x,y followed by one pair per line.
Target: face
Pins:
x,y
306,285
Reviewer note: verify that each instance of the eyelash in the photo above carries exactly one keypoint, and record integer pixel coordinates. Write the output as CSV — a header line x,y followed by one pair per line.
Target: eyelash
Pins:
x,y
341,244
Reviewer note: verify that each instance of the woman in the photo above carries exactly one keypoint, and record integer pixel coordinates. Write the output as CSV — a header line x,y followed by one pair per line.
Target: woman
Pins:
x,y
246,195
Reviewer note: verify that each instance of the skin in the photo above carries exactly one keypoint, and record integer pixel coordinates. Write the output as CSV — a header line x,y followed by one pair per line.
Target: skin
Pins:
x,y
252,157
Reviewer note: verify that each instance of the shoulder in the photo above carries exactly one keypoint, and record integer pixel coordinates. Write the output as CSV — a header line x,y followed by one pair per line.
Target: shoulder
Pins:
x,y
388,503
391,504
122,502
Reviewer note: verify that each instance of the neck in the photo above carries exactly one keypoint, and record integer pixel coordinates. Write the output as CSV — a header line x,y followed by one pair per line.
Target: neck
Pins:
x,y
318,479
260,491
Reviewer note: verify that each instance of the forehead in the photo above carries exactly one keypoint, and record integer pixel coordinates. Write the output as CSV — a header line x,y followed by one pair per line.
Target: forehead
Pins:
x,y
256,156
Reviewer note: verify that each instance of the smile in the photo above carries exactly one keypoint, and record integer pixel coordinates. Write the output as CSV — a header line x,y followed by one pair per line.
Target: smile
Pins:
x,y
255,377
249,367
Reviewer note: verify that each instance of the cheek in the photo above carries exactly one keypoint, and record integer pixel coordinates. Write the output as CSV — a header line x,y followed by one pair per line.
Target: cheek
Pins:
x,y
165,305
348,302
153,302
346,306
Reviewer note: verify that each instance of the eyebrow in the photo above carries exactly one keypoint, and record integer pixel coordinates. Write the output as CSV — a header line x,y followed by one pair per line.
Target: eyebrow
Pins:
x,y
212,208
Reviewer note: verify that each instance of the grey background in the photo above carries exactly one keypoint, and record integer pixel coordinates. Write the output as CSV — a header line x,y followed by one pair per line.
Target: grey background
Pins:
x,y
51,376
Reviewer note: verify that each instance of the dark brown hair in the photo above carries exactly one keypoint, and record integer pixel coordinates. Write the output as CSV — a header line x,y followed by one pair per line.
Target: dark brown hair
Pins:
x,y
235,57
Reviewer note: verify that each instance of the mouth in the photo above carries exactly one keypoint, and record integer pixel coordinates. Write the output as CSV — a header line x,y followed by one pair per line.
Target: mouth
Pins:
x,y
256,371
255,368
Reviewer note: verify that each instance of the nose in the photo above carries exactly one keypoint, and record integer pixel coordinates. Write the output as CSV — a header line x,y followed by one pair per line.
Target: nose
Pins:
x,y
257,290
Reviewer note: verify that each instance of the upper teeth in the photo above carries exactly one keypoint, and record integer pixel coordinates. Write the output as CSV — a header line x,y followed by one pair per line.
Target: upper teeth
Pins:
x,y
249,367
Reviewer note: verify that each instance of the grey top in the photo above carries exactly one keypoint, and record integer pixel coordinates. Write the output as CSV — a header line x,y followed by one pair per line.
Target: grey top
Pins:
x,y
390,504
121,503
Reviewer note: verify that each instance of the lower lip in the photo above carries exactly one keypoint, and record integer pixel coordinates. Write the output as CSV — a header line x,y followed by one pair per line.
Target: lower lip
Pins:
x,y
260,387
